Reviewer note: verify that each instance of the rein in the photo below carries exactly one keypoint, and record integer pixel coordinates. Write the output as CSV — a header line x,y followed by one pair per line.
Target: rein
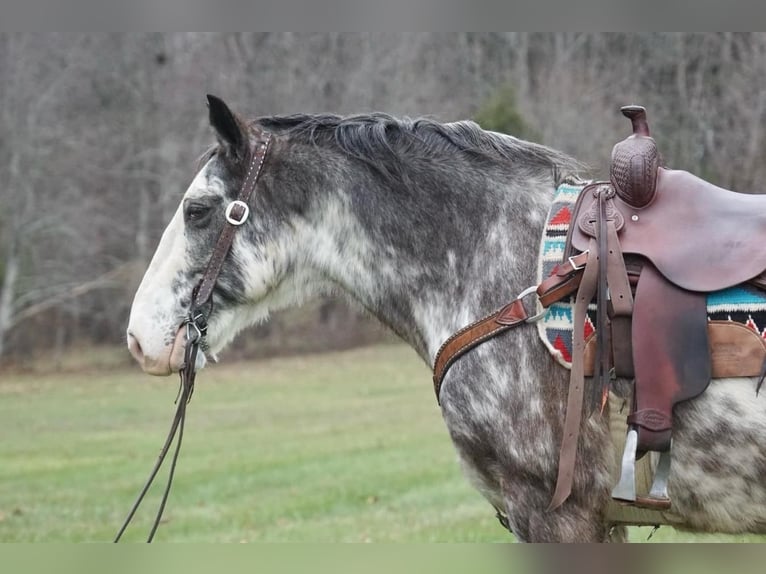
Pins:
x,y
236,214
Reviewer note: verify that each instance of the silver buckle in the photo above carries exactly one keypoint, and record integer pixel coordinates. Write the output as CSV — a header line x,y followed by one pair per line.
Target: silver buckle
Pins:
x,y
245,214
533,318
576,267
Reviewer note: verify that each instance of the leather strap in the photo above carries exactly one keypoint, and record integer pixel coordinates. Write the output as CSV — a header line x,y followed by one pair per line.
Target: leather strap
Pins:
x,y
620,305
204,289
588,287
603,345
564,280
188,374
512,315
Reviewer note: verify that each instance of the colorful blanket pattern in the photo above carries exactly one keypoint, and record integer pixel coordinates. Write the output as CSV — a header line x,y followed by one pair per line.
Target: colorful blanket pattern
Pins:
x,y
742,304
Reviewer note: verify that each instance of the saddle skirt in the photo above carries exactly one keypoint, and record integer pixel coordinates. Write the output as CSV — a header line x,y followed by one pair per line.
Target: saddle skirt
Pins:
x,y
740,310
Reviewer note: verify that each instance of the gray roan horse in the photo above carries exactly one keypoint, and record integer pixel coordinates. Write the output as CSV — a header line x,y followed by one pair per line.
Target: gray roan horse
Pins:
x,y
428,227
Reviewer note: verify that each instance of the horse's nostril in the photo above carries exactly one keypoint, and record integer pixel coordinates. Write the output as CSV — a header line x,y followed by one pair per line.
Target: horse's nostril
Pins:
x,y
135,348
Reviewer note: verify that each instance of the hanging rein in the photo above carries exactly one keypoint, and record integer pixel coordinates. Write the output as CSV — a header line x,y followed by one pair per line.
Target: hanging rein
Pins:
x,y
236,214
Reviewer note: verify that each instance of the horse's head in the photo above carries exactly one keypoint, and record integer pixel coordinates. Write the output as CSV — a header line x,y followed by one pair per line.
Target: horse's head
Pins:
x,y
254,274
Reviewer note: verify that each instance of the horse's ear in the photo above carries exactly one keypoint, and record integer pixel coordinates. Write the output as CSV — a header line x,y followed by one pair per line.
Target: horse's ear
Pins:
x,y
231,131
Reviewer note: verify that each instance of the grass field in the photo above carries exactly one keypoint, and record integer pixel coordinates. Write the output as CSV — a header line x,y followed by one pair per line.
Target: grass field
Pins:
x,y
338,447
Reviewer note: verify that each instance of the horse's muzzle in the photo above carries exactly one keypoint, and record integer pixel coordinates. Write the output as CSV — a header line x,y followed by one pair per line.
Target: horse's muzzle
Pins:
x,y
169,361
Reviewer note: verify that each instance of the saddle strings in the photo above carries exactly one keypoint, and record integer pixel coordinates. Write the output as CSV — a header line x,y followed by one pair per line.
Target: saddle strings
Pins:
x,y
188,374
600,385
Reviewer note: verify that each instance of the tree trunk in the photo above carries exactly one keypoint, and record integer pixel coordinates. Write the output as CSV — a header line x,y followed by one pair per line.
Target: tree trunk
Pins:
x,y
8,292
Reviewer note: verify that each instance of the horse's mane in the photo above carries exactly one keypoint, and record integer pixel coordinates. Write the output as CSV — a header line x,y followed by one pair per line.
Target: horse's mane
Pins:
x,y
388,144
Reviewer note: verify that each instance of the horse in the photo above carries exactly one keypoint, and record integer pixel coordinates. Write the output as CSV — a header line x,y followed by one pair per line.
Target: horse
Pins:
x,y
429,226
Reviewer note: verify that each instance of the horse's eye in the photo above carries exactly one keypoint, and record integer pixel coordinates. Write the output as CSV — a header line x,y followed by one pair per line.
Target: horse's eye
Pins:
x,y
196,212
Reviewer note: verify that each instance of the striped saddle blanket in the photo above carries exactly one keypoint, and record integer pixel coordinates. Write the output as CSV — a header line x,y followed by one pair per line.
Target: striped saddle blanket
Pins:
x,y
741,304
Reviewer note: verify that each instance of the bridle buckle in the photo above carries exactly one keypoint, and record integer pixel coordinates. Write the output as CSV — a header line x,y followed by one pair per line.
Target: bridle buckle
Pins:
x,y
230,208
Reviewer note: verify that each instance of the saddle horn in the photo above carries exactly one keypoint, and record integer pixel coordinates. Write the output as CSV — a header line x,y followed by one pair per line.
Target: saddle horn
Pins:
x,y
635,161
637,116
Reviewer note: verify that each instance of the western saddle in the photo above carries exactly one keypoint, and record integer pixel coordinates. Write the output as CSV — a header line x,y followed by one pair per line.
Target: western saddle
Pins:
x,y
634,247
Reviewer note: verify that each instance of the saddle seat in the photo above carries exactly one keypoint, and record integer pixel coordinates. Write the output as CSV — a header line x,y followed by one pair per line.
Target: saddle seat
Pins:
x,y
700,237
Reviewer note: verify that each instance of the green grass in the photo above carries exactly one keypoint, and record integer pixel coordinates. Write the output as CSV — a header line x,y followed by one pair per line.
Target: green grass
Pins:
x,y
338,447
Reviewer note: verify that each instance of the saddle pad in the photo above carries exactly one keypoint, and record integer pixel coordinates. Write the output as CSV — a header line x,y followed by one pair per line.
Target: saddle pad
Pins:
x,y
741,304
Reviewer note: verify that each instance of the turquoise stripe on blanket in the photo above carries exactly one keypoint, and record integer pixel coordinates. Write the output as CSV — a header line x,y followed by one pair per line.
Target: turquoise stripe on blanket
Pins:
x,y
739,298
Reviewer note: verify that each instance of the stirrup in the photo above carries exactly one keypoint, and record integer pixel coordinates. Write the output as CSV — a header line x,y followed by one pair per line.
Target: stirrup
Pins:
x,y
626,486
625,491
658,494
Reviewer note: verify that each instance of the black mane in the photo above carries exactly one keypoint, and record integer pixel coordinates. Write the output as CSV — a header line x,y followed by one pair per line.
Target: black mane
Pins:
x,y
388,144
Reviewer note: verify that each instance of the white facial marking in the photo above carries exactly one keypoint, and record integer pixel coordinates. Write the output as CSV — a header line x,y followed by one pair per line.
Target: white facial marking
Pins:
x,y
157,314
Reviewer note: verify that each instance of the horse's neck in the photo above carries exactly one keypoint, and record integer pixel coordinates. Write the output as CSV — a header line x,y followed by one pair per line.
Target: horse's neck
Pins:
x,y
431,269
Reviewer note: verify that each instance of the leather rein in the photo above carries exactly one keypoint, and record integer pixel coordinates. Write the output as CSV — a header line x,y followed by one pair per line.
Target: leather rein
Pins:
x,y
236,214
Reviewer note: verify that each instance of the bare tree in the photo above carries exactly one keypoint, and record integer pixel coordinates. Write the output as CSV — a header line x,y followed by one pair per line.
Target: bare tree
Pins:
x,y
103,131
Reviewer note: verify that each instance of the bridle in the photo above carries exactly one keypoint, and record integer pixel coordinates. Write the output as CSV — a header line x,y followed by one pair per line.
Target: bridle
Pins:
x,y
236,213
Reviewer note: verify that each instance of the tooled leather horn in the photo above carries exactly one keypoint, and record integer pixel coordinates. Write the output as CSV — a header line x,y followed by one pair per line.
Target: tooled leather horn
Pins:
x,y
635,161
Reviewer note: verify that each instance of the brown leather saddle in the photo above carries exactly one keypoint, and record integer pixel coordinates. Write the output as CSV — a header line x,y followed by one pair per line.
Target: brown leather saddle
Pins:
x,y
665,239
648,246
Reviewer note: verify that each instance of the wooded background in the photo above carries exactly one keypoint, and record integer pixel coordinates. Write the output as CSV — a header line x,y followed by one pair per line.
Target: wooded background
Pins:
x,y
100,133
